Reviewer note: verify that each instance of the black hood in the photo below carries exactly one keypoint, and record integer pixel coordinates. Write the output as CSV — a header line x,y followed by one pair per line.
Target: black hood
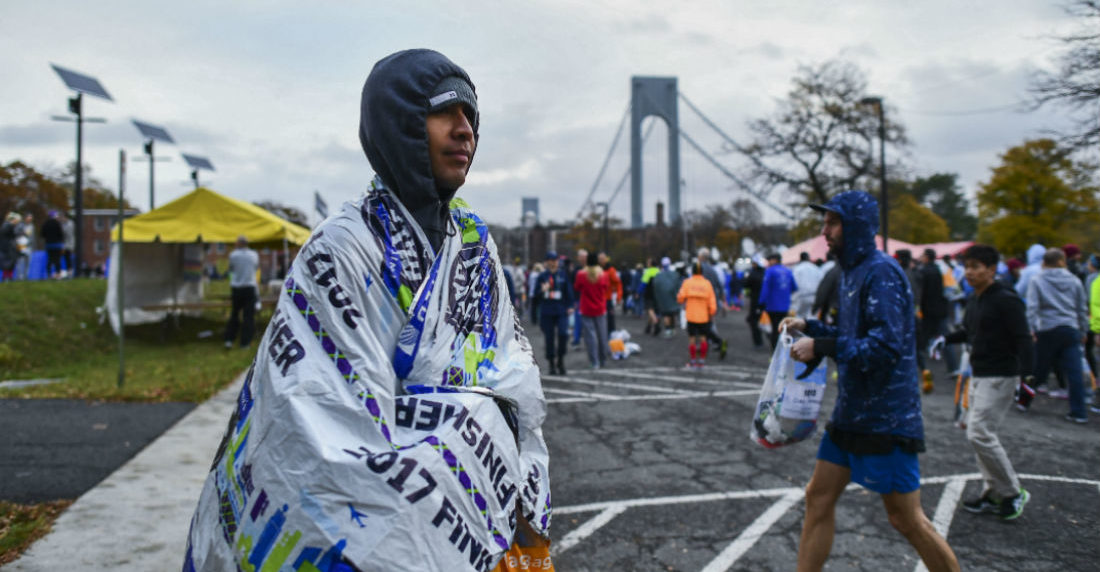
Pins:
x,y
393,112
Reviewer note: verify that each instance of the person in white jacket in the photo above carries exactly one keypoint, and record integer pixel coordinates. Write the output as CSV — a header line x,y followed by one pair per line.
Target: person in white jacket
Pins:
x,y
808,276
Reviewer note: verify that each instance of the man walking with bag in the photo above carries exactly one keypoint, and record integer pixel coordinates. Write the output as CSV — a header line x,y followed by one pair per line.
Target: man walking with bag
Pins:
x,y
876,429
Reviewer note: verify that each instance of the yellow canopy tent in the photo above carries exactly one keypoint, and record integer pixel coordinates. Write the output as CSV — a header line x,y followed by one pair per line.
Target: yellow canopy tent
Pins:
x,y
163,257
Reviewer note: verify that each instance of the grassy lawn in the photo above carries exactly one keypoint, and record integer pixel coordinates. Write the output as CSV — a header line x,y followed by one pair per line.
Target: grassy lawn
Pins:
x,y
51,331
20,525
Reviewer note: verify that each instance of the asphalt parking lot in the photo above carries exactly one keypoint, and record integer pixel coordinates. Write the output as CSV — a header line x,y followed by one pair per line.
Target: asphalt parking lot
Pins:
x,y
652,469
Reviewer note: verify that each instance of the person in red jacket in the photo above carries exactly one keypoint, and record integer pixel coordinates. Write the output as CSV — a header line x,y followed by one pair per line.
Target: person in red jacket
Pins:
x,y
592,285
697,296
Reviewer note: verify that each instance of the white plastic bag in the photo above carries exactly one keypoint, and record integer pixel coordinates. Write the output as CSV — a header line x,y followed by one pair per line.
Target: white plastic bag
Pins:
x,y
787,409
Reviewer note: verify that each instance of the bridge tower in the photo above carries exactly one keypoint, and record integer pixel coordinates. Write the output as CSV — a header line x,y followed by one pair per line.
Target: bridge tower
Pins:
x,y
654,96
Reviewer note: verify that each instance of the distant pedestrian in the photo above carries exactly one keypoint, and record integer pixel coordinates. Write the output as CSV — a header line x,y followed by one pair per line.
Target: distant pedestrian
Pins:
x,y
700,305
24,241
995,328
649,300
68,231
53,236
553,296
1057,312
615,289
876,429
1034,264
807,276
532,279
591,285
754,281
666,285
243,262
9,251
710,273
827,297
776,292
580,260
933,306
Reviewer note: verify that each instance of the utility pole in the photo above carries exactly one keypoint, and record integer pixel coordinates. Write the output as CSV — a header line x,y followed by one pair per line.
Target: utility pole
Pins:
x,y
883,204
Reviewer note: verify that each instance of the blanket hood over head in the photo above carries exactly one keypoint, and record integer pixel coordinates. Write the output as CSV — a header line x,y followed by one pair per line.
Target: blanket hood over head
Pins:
x,y
393,111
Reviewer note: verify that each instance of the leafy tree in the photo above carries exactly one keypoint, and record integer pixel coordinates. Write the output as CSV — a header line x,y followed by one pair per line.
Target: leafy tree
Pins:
x,y
705,224
1075,85
913,222
728,242
1039,194
939,192
96,195
626,251
819,142
745,215
26,190
284,212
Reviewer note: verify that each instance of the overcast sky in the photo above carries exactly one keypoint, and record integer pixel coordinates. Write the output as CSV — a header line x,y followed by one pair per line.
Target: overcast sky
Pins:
x,y
269,90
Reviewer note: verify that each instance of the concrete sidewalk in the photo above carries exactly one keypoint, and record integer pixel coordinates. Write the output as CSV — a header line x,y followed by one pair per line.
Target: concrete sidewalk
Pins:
x,y
137,518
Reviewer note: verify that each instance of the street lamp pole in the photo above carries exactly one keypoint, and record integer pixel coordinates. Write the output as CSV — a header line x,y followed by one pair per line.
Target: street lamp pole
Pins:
x,y
604,240
883,204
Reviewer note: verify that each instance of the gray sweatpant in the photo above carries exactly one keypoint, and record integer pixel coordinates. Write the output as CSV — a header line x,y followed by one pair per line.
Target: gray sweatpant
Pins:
x,y
594,329
990,398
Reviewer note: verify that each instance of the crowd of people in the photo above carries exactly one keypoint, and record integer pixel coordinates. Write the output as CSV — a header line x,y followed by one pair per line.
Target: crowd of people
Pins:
x,y
18,243
550,294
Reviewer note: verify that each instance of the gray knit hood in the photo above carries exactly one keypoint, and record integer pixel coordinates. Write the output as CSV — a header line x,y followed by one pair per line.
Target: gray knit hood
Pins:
x,y
393,133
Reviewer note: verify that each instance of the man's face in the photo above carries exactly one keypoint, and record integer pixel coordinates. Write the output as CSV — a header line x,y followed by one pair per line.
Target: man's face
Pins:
x,y
450,146
602,259
582,256
833,231
552,264
979,275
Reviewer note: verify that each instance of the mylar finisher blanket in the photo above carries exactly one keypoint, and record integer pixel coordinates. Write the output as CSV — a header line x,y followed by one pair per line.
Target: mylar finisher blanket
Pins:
x,y
370,427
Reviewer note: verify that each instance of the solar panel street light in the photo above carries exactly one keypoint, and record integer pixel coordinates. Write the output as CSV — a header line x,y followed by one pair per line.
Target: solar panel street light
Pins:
x,y
197,163
152,133
81,84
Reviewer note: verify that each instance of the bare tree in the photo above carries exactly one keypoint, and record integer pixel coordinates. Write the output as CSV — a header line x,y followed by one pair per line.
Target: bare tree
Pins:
x,y
819,141
1076,83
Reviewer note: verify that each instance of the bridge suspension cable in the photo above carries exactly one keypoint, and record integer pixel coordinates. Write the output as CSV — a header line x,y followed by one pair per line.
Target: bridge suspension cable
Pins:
x,y
734,178
606,161
626,175
756,194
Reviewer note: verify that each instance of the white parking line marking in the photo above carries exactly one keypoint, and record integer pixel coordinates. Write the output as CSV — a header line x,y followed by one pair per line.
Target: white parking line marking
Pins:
x,y
680,379
786,498
638,386
659,501
585,397
586,394
744,541
945,511
585,530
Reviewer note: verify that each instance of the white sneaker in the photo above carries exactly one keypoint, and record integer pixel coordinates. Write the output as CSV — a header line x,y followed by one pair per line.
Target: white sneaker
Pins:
x,y
1058,394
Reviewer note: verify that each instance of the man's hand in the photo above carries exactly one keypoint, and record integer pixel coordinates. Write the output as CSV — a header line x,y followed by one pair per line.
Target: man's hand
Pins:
x,y
793,324
803,348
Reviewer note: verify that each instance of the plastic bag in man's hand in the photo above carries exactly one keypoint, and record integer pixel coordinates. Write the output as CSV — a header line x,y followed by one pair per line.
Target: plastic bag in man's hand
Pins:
x,y
787,409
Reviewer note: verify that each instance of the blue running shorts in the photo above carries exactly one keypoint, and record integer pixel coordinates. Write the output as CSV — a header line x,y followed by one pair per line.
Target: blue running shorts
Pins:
x,y
898,472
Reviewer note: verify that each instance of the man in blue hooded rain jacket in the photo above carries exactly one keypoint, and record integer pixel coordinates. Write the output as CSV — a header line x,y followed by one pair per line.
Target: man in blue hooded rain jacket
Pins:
x,y
876,428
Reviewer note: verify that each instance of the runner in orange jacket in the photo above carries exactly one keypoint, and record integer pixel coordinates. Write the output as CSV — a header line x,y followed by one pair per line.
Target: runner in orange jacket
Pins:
x,y
697,296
